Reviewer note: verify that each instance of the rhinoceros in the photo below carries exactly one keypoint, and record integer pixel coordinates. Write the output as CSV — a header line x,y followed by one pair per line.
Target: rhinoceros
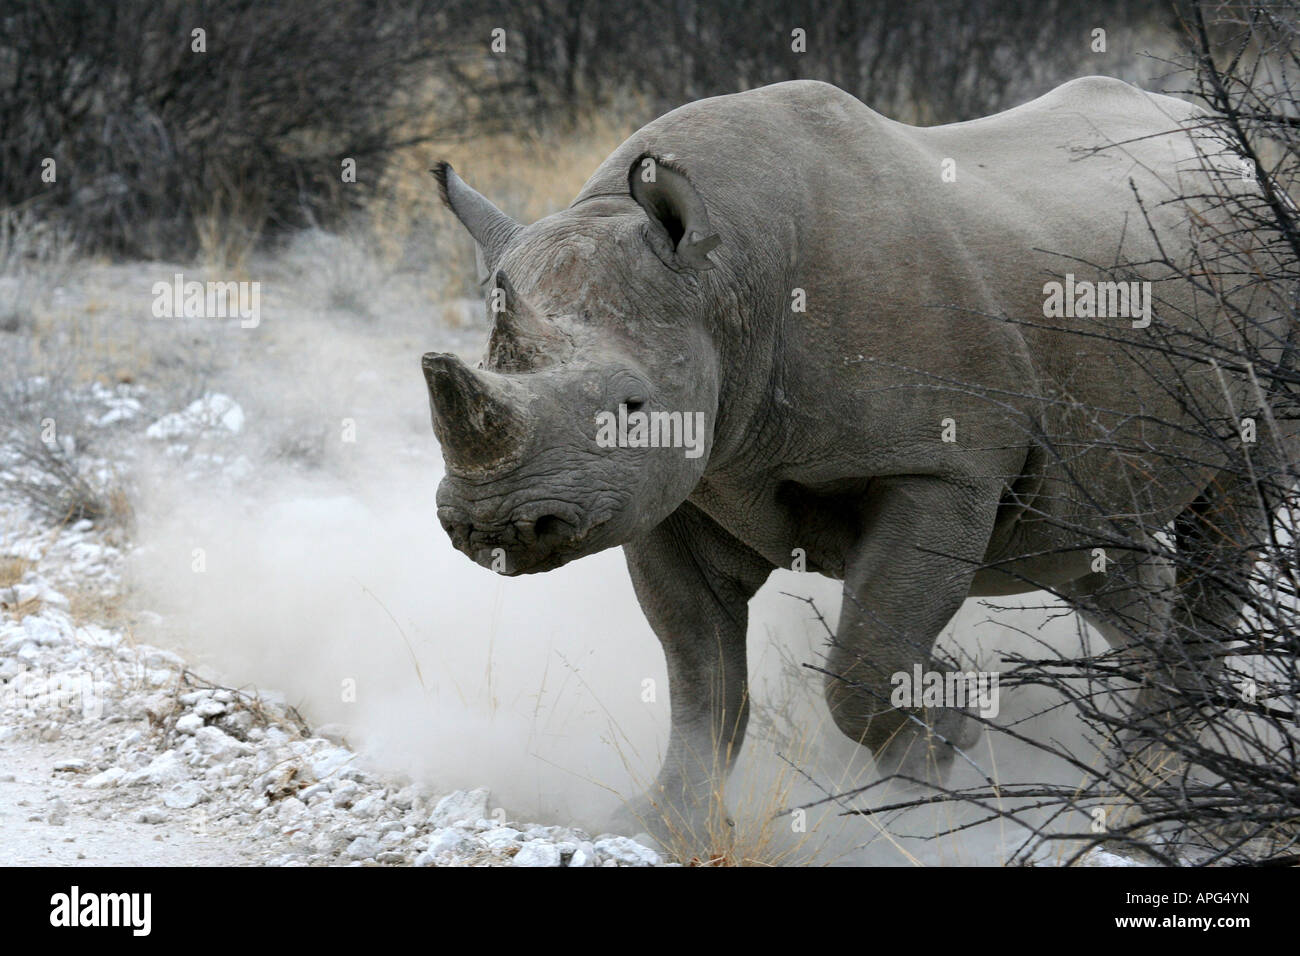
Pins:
x,y
873,330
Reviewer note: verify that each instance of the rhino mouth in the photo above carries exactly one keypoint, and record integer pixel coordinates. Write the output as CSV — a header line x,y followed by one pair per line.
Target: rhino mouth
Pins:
x,y
523,564
523,545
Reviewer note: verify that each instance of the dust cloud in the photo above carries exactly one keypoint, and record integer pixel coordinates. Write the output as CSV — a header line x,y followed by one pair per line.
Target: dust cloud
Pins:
x,y
330,580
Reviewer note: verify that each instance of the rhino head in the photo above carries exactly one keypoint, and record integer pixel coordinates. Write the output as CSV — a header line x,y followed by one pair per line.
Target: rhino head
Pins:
x,y
597,318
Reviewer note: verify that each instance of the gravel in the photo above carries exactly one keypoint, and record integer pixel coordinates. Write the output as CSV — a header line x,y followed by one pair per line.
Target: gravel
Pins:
x,y
149,742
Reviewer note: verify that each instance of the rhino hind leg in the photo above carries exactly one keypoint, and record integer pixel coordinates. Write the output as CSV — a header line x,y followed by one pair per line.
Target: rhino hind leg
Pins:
x,y
1132,605
1219,537
1179,619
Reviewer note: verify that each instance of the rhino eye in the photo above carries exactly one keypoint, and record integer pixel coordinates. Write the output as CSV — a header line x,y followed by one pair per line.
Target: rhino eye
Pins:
x,y
627,388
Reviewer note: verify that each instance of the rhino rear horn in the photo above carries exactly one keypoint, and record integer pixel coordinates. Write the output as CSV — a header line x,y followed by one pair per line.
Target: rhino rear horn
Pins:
x,y
521,340
491,228
480,426
672,203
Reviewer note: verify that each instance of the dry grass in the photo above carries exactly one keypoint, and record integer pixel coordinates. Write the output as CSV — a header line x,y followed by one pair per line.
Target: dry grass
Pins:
x,y
753,818
21,609
94,606
12,569
748,825
110,338
339,271
35,259
755,835
55,485
228,231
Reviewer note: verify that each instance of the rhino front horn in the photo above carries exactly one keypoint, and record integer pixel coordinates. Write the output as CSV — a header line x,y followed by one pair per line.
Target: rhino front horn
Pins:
x,y
481,427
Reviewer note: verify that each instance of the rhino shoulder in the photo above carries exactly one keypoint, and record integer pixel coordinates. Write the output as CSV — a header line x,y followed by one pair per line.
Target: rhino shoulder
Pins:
x,y
805,90
1105,95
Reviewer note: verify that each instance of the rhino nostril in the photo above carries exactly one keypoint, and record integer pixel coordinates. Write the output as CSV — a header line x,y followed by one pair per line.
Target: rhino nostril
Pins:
x,y
458,531
549,526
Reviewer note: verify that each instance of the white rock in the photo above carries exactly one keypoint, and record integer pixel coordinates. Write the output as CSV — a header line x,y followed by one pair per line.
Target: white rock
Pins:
x,y
362,848
164,770
462,806
157,657
212,412
119,414
70,765
54,598
538,853
108,778
156,706
501,838
183,796
219,744
627,851
369,806
190,724
209,708
58,815
42,631
1100,857
345,793
448,840
291,807
309,794
330,762
240,722
330,842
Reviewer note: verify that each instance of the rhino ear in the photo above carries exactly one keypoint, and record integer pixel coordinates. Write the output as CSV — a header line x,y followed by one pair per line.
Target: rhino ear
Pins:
x,y
674,206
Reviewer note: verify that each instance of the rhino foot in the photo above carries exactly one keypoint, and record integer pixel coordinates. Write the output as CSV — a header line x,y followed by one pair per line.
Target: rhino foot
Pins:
x,y
679,829
927,755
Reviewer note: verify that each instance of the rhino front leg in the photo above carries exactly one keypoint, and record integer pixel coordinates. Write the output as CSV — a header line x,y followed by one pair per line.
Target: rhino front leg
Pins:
x,y
923,540
694,582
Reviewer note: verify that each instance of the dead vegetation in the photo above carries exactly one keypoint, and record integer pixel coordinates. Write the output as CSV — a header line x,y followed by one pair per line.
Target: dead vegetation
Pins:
x,y
12,569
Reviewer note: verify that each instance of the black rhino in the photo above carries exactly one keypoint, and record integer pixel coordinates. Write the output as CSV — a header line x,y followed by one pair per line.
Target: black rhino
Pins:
x,y
826,287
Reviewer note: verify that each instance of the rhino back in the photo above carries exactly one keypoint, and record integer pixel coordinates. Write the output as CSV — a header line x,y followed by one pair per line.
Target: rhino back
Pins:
x,y
903,270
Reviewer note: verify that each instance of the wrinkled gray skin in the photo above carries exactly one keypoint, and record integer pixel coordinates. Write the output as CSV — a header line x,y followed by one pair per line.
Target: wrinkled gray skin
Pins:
x,y
825,426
